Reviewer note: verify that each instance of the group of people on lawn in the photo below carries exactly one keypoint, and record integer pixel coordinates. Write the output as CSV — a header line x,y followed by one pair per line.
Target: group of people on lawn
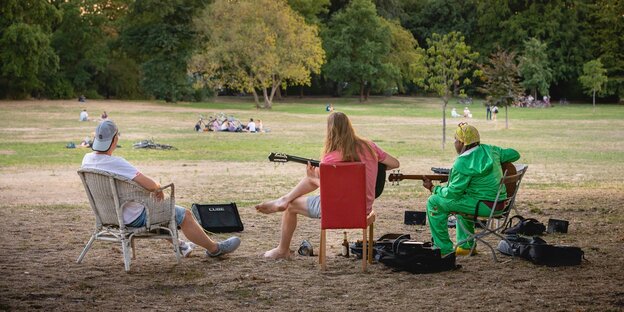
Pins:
x,y
474,178
229,125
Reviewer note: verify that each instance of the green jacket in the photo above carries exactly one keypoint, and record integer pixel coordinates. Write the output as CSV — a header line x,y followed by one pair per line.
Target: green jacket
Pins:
x,y
477,172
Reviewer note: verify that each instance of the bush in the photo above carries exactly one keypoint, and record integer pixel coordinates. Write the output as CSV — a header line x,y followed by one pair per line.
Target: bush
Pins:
x,y
59,89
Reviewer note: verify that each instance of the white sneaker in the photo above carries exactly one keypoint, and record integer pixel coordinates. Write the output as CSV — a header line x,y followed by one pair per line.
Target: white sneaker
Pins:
x,y
186,248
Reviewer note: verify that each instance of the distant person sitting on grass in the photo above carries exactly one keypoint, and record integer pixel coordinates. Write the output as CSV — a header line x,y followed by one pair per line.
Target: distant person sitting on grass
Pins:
x,y
104,116
259,126
251,126
87,142
134,215
84,116
454,113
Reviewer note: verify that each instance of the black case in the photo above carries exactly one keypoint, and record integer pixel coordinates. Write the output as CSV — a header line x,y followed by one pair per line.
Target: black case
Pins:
x,y
218,218
415,217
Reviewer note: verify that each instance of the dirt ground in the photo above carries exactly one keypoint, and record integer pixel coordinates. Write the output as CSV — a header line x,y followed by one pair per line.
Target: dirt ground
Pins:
x,y
46,221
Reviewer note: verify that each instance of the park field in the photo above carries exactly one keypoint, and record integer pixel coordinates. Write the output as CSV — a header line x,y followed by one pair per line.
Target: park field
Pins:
x,y
575,173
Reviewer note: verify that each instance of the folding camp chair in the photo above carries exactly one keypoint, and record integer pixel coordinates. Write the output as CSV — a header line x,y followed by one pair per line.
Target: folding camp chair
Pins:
x,y
499,213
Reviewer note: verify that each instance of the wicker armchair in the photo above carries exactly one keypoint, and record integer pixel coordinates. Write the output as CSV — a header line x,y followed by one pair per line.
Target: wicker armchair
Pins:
x,y
107,193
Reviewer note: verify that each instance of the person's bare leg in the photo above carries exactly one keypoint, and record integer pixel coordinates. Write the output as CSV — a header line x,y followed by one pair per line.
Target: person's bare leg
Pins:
x,y
196,234
305,186
289,224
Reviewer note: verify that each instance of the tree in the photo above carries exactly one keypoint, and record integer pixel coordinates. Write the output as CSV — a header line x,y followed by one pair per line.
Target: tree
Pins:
x,y
253,45
594,79
606,34
390,9
26,57
426,17
558,23
310,9
356,42
501,78
448,60
159,35
82,47
535,68
405,62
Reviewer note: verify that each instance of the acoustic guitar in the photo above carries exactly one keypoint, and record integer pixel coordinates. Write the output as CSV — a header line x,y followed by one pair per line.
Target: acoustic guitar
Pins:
x,y
283,158
508,168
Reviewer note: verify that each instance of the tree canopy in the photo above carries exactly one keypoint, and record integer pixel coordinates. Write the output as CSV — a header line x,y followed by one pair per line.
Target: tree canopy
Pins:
x,y
501,80
356,41
257,45
535,67
144,48
594,78
450,61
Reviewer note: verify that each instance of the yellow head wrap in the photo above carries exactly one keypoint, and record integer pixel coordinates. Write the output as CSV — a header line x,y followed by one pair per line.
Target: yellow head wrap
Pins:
x,y
467,134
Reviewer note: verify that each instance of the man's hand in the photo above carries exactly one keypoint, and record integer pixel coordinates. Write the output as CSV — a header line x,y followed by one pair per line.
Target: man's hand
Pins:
x,y
427,184
159,195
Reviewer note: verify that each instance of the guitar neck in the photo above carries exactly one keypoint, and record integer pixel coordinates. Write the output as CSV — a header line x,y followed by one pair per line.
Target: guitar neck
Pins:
x,y
304,161
398,177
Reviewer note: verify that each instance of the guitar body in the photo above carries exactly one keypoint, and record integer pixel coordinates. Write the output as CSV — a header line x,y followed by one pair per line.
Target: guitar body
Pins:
x,y
509,169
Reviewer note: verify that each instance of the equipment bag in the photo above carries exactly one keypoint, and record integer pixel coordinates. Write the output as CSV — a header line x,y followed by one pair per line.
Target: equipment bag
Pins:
x,y
539,252
529,226
218,218
404,254
380,243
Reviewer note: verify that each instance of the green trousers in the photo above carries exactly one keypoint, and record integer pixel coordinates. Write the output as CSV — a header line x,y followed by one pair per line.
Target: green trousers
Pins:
x,y
438,210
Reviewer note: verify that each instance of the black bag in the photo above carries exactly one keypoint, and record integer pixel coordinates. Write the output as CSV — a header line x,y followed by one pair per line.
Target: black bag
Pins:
x,y
529,226
218,218
404,254
539,252
356,248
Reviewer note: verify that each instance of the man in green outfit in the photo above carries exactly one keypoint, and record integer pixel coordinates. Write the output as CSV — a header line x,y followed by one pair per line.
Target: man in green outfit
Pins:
x,y
475,177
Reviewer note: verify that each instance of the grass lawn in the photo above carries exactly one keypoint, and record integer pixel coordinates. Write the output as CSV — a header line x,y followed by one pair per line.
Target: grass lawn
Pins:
x,y
569,138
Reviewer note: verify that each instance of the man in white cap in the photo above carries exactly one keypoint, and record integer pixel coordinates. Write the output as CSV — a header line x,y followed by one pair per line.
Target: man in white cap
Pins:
x,y
134,215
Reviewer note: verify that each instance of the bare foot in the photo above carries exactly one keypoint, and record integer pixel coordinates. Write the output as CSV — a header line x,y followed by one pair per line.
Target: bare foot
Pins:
x,y
273,206
276,254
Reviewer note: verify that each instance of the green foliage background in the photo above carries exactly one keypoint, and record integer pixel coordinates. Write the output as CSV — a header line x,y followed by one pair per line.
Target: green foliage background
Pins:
x,y
130,49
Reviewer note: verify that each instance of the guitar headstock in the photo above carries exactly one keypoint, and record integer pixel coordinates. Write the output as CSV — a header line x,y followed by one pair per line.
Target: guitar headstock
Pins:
x,y
278,157
395,177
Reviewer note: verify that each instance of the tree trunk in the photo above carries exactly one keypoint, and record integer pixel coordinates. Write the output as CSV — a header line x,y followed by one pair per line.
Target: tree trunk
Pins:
x,y
506,118
278,94
268,97
301,92
534,94
361,92
265,96
256,98
594,100
445,99
367,94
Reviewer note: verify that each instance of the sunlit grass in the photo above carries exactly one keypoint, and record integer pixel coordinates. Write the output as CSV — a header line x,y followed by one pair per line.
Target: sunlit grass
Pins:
x,y
571,138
